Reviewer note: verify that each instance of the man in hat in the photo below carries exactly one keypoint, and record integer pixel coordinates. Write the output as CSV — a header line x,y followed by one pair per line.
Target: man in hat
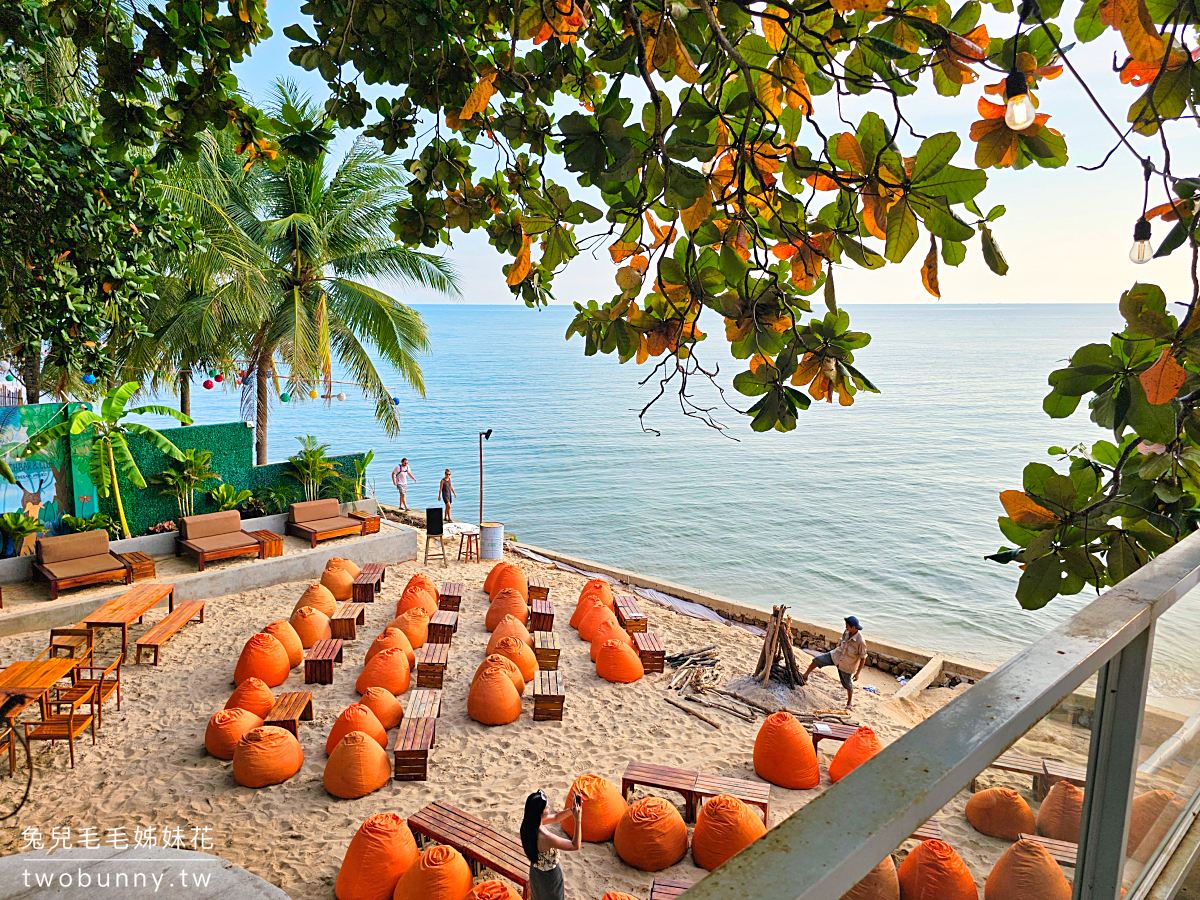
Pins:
x,y
850,655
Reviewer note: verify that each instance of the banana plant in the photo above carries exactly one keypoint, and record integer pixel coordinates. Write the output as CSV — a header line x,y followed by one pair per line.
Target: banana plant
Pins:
x,y
17,527
227,497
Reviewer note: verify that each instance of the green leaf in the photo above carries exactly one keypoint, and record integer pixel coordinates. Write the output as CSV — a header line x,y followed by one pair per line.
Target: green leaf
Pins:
x,y
1123,558
861,254
1035,476
953,252
1039,582
1152,422
1144,309
902,232
934,154
955,184
991,252
113,406
1016,533
1059,406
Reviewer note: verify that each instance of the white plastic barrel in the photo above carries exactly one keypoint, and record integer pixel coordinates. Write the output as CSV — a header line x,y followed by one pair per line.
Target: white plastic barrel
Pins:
x,y
491,540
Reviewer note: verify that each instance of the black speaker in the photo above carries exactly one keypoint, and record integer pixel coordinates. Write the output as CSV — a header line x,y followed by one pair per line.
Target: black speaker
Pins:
x,y
433,521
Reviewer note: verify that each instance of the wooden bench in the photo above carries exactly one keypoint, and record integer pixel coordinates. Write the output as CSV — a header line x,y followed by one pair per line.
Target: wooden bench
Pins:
x,y
629,614
930,831
1060,771
318,662
450,595
664,778
431,665
474,839
539,588
541,615
376,569
425,704
319,520
752,793
346,619
662,889
1024,765
546,648
442,626
290,709
365,586
165,630
1062,852
413,744
548,696
831,731
650,650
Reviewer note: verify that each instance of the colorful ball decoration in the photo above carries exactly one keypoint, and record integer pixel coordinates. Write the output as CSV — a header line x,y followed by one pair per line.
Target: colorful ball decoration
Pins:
x,y
208,384
8,377
218,378
242,373
395,401
312,395
89,378
212,373
285,397
341,395
4,365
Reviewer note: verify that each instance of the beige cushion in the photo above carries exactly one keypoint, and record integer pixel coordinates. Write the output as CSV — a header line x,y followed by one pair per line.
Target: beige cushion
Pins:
x,y
87,565
209,524
223,542
332,524
72,546
310,510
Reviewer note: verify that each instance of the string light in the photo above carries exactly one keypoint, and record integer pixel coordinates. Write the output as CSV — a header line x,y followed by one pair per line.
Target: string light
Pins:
x,y
1141,252
1018,106
341,395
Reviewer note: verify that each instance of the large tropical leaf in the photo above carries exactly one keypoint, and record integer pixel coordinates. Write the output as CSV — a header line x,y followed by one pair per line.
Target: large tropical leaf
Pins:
x,y
43,438
125,460
157,410
112,408
157,438
98,467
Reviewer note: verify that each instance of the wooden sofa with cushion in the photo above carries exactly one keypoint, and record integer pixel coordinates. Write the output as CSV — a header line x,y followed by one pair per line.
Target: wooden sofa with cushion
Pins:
x,y
218,535
74,560
316,520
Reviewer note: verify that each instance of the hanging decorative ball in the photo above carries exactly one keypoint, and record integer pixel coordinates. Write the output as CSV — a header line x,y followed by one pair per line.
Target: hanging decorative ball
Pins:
x,y
312,395
395,401
3,365
242,374
208,384
8,377
89,378
341,395
285,397
238,382
212,373
218,378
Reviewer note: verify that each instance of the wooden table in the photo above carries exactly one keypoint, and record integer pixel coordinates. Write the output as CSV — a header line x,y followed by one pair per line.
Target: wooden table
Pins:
x,y
629,614
370,521
546,648
425,704
318,662
365,586
411,751
271,542
346,619
662,889
548,696
650,650
450,595
140,565
431,665
35,679
290,709
539,588
752,793
442,626
475,839
123,611
541,615
1062,852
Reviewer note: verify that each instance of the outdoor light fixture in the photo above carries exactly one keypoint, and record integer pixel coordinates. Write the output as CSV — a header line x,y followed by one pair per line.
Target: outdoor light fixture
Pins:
x,y
1018,107
483,436
1141,252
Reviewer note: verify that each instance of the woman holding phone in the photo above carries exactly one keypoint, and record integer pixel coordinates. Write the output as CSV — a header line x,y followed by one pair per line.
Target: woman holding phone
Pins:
x,y
541,846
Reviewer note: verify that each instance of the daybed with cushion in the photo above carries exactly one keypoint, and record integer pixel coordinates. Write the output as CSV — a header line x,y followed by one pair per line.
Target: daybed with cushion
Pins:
x,y
73,560
317,520
216,535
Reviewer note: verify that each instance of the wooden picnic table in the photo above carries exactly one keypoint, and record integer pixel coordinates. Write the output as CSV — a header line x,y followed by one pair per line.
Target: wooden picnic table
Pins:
x,y
482,845
34,680
123,611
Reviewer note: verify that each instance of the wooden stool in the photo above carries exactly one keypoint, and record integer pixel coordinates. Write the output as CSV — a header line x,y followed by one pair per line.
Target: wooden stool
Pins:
x,y
290,709
629,614
442,626
441,545
365,586
346,620
431,665
468,546
650,650
541,617
413,744
547,696
546,648
539,588
318,663
450,595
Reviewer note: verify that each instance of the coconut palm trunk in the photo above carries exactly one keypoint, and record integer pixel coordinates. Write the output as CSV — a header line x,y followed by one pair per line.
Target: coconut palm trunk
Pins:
x,y
262,376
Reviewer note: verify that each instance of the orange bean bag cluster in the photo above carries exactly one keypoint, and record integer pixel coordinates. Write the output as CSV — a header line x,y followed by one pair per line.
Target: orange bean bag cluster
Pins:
x,y
509,627
725,827
493,698
600,589
318,597
339,581
380,852
1000,812
252,695
880,883
506,602
934,871
311,625
1026,871
511,577
493,890
784,753
608,630
440,873
356,767
416,597
491,576
226,728
509,667
618,662
583,608
384,704
1061,812
592,621
283,632
388,638
856,750
603,807
266,755
415,625
356,717
264,658
1152,815
388,669
518,651
651,835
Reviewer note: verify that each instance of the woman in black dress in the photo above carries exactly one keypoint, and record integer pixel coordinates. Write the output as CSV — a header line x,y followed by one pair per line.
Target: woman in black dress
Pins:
x,y
542,846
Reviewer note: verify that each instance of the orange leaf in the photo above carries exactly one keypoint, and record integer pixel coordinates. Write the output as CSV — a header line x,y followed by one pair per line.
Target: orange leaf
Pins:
x,y
1024,511
628,279
622,250
849,149
772,30
929,270
990,110
480,97
1141,37
640,263
519,270
1163,380
796,93
697,214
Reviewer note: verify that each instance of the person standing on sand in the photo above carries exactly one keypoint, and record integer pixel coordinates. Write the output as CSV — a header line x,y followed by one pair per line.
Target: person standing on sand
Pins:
x,y
850,655
542,846
447,493
400,476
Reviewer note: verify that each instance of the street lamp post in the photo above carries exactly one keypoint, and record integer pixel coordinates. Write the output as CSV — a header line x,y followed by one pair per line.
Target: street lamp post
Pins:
x,y
483,436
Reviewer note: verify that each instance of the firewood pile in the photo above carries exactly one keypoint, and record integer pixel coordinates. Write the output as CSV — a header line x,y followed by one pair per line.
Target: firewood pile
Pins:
x,y
777,659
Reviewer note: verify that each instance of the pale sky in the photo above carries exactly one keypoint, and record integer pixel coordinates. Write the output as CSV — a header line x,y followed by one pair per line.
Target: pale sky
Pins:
x,y
1066,234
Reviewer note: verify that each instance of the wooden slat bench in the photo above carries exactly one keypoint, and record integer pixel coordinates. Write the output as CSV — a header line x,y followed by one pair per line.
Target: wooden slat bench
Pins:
x,y
541,615
629,614
831,731
290,709
1063,852
431,665
752,793
539,588
318,662
365,586
376,569
346,619
443,625
482,845
930,831
546,648
665,778
165,630
548,696
450,595
662,889
413,744
1024,765
650,650
1060,771
424,704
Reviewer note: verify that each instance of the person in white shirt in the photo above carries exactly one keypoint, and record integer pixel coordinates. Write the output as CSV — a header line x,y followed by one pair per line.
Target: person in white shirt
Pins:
x,y
850,655
400,476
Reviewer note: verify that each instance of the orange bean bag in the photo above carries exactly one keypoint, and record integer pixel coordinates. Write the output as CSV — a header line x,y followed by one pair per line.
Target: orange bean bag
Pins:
x,y
583,608
493,890
416,598
441,873
784,753
1026,871
283,632
651,835
318,597
603,807
252,695
600,589
618,895
857,749
356,767
507,602
608,630
618,663
1000,812
1153,813
388,638
226,728
518,651
1060,813
592,621
349,565
420,579
510,578
263,657
311,625
384,704
933,871
510,667
380,852
491,576
339,582
415,625
493,698
878,884
388,669
266,755
356,717
725,827
509,627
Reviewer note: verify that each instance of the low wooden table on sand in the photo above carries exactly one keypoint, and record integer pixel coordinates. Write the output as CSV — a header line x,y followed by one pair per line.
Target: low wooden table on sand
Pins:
x,y
139,564
1062,852
418,733
546,649
482,845
450,595
346,619
443,625
123,611
35,679
290,709
425,704
662,889
548,695
365,586
376,569
629,614
539,588
318,662
832,731
541,615
431,665
650,650
696,787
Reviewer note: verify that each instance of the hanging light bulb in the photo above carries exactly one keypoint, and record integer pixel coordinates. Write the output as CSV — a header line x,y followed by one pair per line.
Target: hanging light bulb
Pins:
x,y
1018,107
341,395
1141,252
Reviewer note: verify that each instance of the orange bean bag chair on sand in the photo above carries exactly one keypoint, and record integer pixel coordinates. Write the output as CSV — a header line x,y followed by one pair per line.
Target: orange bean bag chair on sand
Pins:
x,y
356,767
491,576
416,597
356,717
513,578
725,826
283,632
493,698
1152,814
857,749
507,602
933,871
318,597
510,667
420,579
388,638
603,807
651,835
583,608
349,565
388,669
226,728
415,625
509,627
600,589
380,852
518,651
384,704
1001,813
1060,813
253,696
311,625
339,582
878,884
493,890
618,895
784,753
264,658
441,873
1026,871
618,663
592,621
608,630
266,755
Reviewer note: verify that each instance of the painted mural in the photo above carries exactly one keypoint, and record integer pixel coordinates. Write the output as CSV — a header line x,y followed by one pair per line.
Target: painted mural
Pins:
x,y
44,480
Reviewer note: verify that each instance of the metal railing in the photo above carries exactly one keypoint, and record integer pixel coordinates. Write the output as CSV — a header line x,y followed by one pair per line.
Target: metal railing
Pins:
x,y
827,846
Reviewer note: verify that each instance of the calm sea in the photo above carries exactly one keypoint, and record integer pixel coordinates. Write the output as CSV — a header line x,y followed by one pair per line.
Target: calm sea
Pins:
x,y
884,510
